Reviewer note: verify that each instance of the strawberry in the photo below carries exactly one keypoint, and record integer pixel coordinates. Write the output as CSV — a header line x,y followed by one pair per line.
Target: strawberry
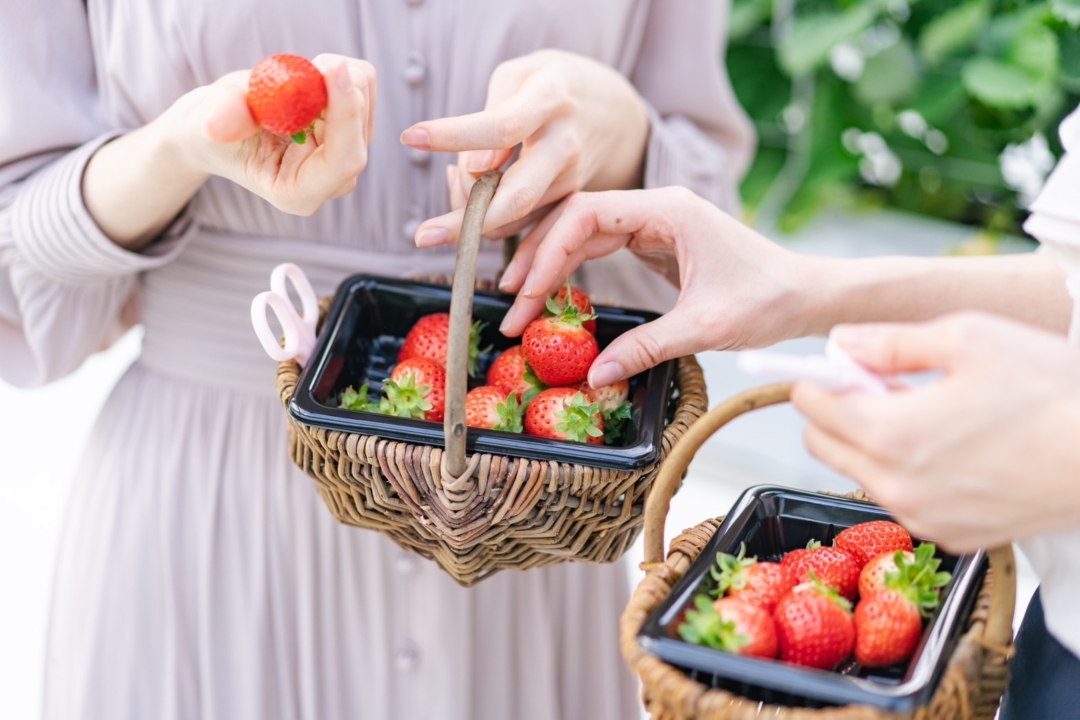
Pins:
x,y
610,397
416,389
558,349
746,579
491,408
565,414
358,400
579,300
511,373
872,576
286,94
730,625
867,540
887,629
833,566
428,338
814,626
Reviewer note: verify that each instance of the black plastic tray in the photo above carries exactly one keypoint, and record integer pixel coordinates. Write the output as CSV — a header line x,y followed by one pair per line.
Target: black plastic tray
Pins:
x,y
366,327
771,521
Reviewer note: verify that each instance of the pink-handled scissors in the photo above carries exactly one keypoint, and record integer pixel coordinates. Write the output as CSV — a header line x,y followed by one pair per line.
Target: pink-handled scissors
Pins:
x,y
299,328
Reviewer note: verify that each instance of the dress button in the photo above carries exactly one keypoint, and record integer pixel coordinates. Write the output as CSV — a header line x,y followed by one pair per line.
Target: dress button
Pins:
x,y
419,158
415,71
409,230
413,3
405,565
406,659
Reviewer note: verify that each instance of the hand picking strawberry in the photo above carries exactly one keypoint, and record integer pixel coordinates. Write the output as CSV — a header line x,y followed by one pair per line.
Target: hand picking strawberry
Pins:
x,y
814,626
558,348
565,414
429,336
867,540
286,94
490,408
834,567
758,583
731,625
416,389
512,374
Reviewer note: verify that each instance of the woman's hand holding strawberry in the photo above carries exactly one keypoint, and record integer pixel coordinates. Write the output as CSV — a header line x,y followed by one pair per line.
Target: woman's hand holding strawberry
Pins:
x,y
580,125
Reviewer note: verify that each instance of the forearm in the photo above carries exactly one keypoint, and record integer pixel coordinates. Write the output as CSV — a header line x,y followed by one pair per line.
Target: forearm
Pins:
x,y
1029,288
136,185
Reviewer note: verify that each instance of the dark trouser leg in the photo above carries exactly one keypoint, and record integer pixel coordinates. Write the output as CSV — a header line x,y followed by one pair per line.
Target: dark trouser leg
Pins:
x,y
1045,681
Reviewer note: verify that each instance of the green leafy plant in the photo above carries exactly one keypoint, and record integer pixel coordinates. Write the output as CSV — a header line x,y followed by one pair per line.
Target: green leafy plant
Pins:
x,y
944,108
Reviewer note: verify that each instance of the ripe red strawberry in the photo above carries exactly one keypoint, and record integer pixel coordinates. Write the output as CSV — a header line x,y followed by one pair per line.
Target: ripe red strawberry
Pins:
x,y
428,338
581,303
565,414
872,576
814,626
887,629
558,349
867,540
491,408
416,389
510,373
731,625
286,94
746,579
834,567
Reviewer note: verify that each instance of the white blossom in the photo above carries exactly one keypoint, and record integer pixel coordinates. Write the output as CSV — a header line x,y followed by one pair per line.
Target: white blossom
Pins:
x,y
847,61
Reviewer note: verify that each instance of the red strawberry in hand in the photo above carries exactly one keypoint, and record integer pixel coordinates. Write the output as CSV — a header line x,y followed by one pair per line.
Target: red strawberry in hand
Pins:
x,y
429,336
558,349
887,629
867,540
416,389
491,408
731,625
286,94
579,300
565,414
834,567
510,373
814,626
746,579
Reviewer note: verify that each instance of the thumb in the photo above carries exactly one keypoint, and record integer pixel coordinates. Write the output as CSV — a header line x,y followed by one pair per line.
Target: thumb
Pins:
x,y
903,347
228,119
670,336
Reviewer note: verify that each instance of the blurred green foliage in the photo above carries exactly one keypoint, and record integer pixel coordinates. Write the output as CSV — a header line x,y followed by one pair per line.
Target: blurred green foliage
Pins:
x,y
898,103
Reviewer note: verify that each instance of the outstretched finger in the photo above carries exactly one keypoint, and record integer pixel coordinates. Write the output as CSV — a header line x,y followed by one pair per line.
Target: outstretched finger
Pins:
x,y
343,153
674,335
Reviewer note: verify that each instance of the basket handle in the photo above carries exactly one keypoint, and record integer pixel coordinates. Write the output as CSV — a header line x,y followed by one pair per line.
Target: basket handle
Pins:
x,y
461,304
998,633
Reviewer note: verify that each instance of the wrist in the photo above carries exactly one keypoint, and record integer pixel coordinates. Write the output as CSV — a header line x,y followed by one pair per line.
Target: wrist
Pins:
x,y
819,292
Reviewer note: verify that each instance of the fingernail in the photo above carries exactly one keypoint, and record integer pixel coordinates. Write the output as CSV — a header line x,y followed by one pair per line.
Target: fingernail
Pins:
x,y
526,289
417,138
432,236
505,325
480,162
342,79
603,375
850,337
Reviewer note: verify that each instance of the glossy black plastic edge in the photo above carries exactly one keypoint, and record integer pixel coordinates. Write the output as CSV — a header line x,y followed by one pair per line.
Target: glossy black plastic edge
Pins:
x,y
822,686
645,450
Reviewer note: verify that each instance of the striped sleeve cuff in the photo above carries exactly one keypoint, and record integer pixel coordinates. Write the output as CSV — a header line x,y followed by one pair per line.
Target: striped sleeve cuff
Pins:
x,y
57,237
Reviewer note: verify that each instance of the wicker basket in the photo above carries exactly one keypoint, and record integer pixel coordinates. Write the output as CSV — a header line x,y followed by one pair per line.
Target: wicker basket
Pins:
x,y
973,682
480,514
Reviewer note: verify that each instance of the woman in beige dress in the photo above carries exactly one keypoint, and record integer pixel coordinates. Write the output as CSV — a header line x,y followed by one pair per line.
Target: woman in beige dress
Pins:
x,y
199,575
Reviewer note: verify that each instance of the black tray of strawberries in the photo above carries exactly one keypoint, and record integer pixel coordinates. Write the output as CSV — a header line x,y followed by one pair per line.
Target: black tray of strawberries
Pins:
x,y
379,369
810,600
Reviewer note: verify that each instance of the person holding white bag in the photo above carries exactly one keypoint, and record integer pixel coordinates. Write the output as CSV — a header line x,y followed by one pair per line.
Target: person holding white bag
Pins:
x,y
984,455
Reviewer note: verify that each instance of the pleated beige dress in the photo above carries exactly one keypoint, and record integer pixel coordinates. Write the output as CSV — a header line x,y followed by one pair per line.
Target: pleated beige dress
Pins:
x,y
199,575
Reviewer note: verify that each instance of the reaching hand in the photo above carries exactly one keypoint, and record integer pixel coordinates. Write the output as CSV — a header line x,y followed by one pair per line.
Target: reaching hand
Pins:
x,y
579,123
985,455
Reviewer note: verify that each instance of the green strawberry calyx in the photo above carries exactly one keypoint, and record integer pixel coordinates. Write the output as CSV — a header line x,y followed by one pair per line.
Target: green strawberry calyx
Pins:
x,y
474,346
728,570
616,422
813,545
918,578
358,400
404,399
568,313
704,626
826,591
536,385
510,414
577,420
